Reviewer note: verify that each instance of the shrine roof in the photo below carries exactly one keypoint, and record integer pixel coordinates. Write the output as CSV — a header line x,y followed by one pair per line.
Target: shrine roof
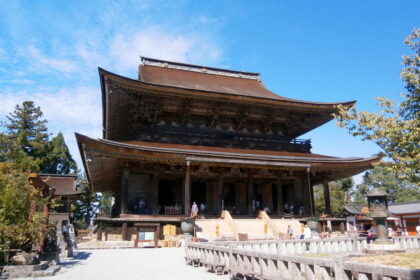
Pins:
x,y
410,207
64,185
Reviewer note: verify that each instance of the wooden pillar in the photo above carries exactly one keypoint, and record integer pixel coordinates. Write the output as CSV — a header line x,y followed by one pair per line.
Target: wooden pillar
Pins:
x,y
268,196
308,208
327,197
155,193
124,191
124,232
187,190
99,232
220,205
250,190
279,198
240,197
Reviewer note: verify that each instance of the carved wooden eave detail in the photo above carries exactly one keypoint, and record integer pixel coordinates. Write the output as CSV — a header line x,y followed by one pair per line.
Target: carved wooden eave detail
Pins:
x,y
202,158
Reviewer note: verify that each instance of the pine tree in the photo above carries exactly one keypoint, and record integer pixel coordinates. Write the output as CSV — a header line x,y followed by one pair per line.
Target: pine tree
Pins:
x,y
28,131
58,159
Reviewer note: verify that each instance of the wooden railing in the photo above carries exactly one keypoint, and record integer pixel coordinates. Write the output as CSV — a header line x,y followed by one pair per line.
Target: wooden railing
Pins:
x,y
172,210
231,224
266,260
274,229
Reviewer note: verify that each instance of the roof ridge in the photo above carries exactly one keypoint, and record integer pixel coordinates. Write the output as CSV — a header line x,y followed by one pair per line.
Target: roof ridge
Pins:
x,y
199,68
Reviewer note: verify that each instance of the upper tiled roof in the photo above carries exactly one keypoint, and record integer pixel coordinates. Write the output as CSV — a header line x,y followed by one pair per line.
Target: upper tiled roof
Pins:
x,y
203,78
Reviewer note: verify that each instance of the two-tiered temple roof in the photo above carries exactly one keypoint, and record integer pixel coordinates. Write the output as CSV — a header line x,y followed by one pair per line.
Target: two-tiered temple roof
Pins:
x,y
180,81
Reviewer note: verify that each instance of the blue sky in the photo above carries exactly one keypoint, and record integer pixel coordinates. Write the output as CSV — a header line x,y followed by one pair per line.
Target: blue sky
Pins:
x,y
311,50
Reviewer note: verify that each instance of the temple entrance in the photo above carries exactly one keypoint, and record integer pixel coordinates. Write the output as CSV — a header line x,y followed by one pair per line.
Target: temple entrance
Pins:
x,y
229,197
288,199
170,197
198,193
258,197
275,198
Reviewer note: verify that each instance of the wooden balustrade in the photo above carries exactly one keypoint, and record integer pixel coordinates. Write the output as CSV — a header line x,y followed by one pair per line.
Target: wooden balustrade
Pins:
x,y
231,224
273,259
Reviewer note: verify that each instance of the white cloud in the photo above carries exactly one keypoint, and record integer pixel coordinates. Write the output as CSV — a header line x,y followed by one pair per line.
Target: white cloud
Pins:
x,y
55,78
17,81
40,60
125,49
67,110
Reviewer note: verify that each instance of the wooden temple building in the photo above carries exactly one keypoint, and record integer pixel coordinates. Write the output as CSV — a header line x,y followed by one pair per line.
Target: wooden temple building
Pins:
x,y
184,133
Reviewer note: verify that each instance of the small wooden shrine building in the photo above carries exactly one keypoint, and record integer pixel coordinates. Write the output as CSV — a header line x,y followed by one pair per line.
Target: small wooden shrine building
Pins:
x,y
182,133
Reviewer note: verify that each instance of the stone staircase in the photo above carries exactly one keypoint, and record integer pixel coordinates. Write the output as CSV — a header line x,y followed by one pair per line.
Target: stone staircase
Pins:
x,y
253,227
206,229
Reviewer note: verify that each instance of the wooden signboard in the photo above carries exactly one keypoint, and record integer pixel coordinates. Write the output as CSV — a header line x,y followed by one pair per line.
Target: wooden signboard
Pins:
x,y
147,233
169,230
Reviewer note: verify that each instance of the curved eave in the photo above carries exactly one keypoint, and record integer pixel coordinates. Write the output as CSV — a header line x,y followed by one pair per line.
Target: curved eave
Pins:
x,y
240,157
137,84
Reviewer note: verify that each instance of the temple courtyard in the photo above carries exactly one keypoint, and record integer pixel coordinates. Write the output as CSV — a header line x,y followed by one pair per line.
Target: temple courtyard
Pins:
x,y
152,264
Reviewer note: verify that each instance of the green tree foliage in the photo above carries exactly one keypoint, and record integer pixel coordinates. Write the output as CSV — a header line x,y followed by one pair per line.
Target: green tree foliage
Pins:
x,y
10,152
395,130
24,148
359,194
340,194
28,131
384,178
89,205
18,229
59,159
410,108
27,143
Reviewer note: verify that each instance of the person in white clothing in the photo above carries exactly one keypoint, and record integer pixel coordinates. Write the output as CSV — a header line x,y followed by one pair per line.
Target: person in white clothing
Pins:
x,y
307,234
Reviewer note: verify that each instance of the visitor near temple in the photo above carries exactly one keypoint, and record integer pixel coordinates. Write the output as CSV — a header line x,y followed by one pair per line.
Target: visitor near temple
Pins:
x,y
194,210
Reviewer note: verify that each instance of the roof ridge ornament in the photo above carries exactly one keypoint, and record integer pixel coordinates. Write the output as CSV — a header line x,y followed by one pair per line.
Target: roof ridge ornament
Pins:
x,y
199,68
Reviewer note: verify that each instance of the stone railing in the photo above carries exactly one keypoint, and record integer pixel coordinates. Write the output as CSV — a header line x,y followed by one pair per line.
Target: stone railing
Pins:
x,y
270,266
268,259
305,246
408,242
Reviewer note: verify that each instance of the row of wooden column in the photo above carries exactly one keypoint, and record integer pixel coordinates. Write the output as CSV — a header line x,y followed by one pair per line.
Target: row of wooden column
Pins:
x,y
300,183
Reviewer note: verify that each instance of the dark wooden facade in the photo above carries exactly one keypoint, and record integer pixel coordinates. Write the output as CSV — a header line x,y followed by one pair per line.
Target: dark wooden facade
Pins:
x,y
184,133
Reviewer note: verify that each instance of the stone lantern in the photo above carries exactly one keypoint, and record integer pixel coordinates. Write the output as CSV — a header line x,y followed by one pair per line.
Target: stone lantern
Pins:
x,y
378,211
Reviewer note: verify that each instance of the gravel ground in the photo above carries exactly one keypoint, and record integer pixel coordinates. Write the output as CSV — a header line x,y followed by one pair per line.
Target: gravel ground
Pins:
x,y
153,264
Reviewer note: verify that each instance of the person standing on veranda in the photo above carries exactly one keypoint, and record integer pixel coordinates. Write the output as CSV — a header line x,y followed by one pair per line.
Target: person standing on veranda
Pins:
x,y
194,210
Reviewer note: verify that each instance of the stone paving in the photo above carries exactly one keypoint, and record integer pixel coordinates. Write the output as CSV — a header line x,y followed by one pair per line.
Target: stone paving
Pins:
x,y
153,264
